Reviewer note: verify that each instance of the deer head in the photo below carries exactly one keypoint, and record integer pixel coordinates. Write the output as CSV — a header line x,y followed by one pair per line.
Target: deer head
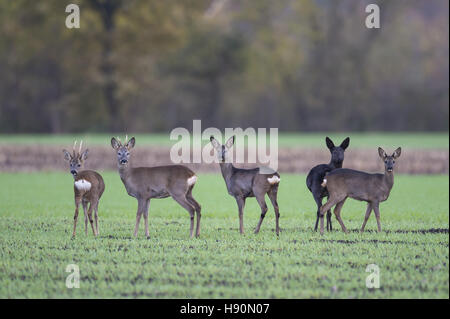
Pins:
x,y
76,159
389,161
337,152
222,150
123,151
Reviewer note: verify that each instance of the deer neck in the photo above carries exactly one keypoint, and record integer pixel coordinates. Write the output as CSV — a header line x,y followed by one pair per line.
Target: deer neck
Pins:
x,y
389,179
227,171
124,172
335,164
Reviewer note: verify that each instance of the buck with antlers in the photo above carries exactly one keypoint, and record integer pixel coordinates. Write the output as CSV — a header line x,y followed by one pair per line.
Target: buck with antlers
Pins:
x,y
243,183
88,188
145,183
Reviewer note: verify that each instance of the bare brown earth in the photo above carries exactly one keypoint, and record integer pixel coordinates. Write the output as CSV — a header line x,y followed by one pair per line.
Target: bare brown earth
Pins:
x,y
14,158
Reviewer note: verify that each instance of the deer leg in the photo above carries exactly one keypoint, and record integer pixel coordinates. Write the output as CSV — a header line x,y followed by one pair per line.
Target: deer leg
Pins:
x,y
368,211
182,200
198,209
96,217
241,203
90,219
337,212
318,200
262,203
75,217
138,216
85,217
330,203
145,209
273,198
329,226
376,210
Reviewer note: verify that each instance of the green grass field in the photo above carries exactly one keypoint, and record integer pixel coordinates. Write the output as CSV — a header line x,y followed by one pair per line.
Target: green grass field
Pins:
x,y
36,216
314,140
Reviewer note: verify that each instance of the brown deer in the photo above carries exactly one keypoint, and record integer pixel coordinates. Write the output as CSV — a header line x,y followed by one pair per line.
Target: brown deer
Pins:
x,y
243,183
144,183
371,188
88,188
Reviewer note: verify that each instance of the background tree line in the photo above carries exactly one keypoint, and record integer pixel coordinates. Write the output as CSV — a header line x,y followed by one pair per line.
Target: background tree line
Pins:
x,y
149,66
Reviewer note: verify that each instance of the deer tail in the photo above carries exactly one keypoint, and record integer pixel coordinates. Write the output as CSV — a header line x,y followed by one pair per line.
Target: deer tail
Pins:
x,y
191,180
274,180
82,185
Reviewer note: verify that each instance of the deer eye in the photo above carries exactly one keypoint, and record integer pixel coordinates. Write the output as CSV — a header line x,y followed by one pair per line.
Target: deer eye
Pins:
x,y
128,153
119,153
78,165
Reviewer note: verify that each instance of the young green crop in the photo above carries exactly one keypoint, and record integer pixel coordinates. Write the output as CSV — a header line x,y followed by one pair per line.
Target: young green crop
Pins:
x,y
36,218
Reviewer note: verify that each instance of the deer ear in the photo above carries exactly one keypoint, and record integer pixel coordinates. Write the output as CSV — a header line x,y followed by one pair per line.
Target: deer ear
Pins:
x,y
329,142
345,143
84,155
397,152
214,142
230,142
114,143
67,155
382,153
131,143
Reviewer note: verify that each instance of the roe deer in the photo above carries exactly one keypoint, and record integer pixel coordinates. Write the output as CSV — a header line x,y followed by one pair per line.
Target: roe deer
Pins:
x,y
371,188
243,183
144,183
317,173
88,188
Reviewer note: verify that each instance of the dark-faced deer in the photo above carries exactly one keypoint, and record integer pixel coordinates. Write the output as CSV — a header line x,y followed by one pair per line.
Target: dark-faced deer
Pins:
x,y
317,173
88,188
243,183
144,183
371,188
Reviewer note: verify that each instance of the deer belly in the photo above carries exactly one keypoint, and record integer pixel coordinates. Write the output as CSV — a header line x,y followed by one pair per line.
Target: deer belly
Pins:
x,y
359,196
159,194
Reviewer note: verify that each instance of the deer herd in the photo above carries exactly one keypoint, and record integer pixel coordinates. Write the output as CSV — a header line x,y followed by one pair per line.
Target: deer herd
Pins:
x,y
177,181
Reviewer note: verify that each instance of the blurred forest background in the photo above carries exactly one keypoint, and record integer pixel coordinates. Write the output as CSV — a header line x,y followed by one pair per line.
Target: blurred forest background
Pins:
x,y
150,66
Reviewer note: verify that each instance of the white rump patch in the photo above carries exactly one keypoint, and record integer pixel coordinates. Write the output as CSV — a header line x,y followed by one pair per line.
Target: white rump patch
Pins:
x,y
324,183
191,180
82,185
273,180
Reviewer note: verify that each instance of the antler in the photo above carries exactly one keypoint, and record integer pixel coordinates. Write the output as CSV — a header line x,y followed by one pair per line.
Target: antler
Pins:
x,y
81,144
73,148
120,141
